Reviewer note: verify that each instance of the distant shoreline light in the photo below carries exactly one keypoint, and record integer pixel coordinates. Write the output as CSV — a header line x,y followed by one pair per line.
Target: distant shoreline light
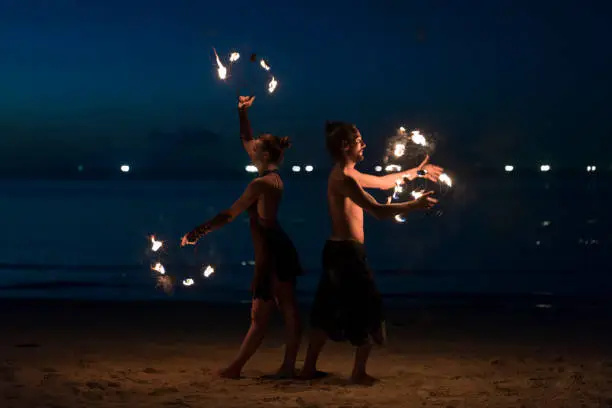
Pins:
x,y
125,168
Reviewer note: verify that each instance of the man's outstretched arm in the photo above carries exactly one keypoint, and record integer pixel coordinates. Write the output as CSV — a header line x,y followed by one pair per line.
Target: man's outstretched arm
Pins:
x,y
350,188
387,181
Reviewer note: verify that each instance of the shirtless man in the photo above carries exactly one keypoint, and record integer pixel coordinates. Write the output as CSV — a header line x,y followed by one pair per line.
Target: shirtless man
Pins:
x,y
347,304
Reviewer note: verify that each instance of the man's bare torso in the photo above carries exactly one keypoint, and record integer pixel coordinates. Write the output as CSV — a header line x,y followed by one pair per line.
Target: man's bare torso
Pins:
x,y
346,216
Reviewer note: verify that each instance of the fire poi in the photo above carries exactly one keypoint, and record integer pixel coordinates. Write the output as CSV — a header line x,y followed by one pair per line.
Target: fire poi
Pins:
x,y
224,72
409,146
166,280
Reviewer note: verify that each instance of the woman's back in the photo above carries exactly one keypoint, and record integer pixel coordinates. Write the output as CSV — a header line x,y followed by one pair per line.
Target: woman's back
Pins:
x,y
269,201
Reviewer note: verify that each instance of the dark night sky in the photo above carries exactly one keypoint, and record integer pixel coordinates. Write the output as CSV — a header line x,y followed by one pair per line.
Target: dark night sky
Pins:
x,y
498,80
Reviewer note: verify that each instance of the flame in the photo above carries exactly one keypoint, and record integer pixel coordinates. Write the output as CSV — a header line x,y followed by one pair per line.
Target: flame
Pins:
x,y
416,194
264,65
208,271
444,178
221,70
188,282
272,85
398,188
158,267
234,56
418,138
155,245
400,148
393,167
402,130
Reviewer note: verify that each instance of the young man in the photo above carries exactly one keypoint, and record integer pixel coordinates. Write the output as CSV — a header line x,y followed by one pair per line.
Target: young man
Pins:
x,y
347,304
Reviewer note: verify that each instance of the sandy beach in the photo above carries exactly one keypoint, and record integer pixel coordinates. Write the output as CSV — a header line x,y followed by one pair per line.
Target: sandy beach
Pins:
x,y
165,354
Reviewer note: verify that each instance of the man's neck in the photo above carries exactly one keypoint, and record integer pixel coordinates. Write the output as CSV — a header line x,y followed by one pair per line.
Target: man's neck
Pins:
x,y
347,164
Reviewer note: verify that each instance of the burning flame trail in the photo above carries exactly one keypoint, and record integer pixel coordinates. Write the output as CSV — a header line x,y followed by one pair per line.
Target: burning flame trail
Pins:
x,y
418,138
158,267
155,245
444,178
272,85
209,270
400,149
221,70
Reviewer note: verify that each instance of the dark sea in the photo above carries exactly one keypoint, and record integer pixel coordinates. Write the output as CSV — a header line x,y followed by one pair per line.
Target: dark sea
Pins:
x,y
506,238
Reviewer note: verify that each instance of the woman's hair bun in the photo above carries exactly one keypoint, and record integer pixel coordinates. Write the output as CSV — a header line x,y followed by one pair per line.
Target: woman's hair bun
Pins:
x,y
284,142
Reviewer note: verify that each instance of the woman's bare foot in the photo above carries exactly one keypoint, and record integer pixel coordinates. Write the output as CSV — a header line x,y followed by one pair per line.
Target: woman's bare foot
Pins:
x,y
311,374
363,379
285,372
229,372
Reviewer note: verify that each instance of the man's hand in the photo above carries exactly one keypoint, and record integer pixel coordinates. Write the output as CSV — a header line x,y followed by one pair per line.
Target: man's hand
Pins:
x,y
245,102
429,171
425,201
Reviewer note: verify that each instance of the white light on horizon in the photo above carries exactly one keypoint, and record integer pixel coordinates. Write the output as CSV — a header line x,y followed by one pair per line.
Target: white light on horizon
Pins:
x,y
509,167
251,169
545,167
296,169
309,168
591,168
125,168
378,168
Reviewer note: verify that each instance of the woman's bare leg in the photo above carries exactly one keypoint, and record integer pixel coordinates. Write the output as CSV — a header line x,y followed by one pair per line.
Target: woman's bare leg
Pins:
x,y
285,298
260,316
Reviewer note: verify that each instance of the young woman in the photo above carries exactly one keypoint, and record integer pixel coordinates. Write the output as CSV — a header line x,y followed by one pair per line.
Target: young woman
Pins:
x,y
276,261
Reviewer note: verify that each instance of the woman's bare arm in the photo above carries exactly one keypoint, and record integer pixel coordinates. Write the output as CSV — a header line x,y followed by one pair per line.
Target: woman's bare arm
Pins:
x,y
250,196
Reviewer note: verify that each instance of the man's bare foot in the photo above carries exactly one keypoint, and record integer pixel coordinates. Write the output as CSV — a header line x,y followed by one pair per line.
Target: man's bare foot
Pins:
x,y
363,379
229,372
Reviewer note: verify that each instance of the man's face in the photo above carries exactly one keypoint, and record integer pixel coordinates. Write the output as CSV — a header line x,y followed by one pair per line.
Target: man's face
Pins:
x,y
354,151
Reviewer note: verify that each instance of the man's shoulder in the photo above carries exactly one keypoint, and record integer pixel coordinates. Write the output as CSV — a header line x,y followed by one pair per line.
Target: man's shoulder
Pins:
x,y
338,182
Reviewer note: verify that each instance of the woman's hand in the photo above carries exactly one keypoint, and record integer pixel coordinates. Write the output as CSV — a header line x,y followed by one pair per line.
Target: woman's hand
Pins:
x,y
245,102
